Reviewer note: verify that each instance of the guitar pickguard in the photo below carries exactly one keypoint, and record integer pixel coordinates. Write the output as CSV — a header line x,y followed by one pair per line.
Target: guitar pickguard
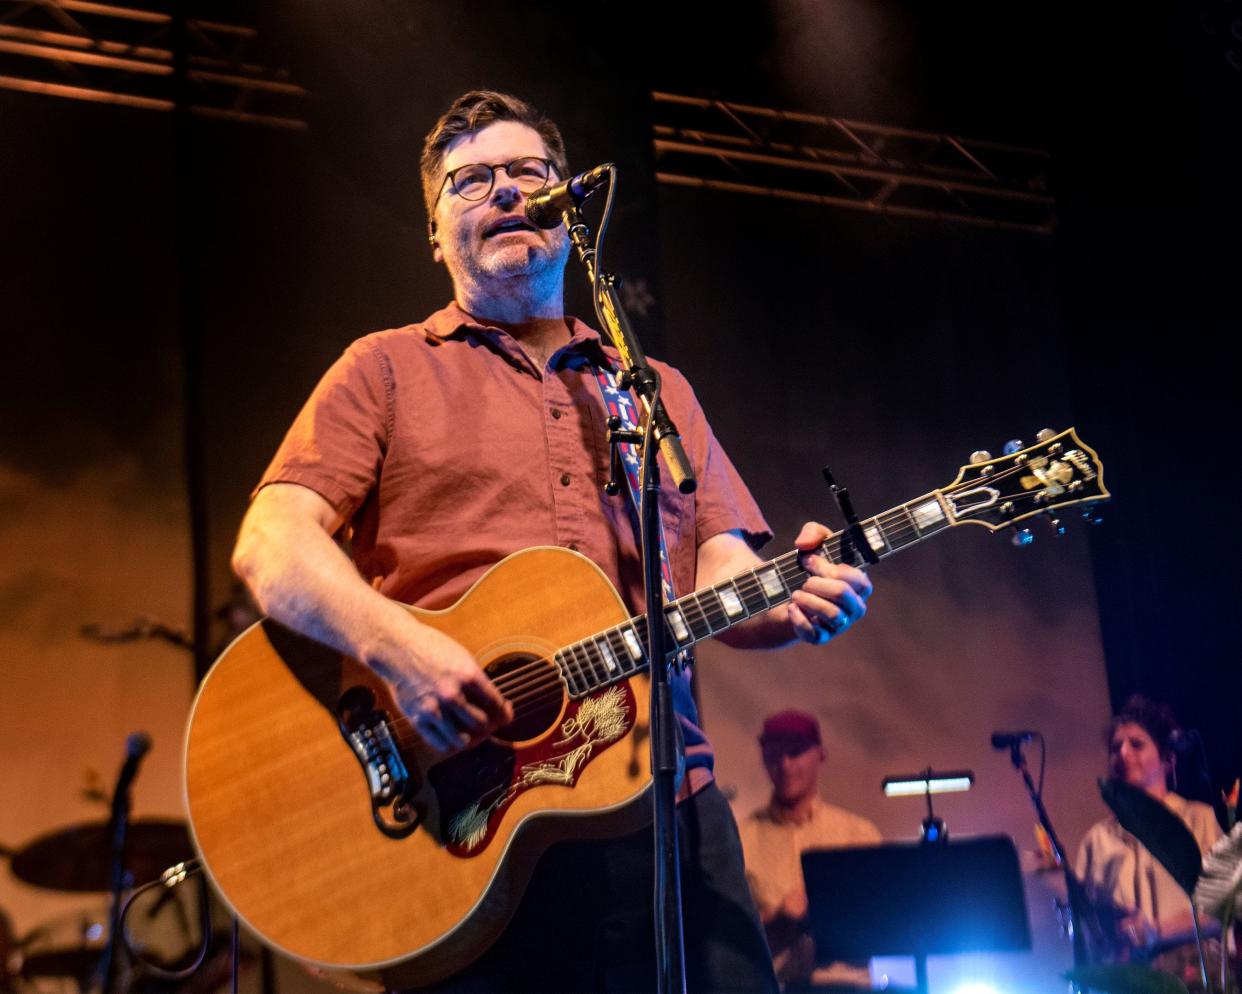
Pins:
x,y
475,788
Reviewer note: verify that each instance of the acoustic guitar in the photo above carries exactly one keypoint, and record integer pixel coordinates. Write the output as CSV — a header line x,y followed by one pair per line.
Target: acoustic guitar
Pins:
x,y
339,839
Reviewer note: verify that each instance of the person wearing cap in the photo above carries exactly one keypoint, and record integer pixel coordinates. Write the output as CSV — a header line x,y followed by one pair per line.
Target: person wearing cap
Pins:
x,y
774,837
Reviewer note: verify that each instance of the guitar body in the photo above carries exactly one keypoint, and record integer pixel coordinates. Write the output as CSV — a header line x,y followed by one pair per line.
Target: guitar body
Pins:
x,y
285,818
338,839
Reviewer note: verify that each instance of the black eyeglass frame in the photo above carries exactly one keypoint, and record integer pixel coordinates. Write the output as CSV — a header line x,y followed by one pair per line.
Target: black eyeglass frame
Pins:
x,y
451,181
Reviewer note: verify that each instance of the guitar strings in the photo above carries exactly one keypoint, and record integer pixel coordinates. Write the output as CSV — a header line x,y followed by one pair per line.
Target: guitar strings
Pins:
x,y
532,685
534,688
747,583
525,669
514,681
537,694
901,532
516,692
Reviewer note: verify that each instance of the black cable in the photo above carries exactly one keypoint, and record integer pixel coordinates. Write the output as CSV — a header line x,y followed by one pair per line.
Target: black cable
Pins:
x,y
191,867
598,251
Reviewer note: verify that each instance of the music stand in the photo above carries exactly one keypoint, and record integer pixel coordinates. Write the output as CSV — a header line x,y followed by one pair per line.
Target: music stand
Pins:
x,y
916,899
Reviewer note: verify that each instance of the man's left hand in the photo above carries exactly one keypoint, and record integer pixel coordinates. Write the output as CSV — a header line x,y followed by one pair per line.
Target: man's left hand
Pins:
x,y
833,598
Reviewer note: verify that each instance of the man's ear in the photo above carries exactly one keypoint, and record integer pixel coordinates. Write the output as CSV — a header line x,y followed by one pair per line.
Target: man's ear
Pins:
x,y
436,254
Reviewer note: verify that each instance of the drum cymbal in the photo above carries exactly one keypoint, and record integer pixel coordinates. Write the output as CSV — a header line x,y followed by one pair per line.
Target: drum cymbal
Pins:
x,y
78,857
68,945
69,962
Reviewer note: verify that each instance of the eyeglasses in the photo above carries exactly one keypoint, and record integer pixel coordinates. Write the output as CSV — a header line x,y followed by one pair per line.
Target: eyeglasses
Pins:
x,y
474,181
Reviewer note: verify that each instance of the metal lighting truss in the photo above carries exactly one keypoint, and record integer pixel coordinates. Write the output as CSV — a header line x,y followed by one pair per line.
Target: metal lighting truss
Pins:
x,y
810,158
108,53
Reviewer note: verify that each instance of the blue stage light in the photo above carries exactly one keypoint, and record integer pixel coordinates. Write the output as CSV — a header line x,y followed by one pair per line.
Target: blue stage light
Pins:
x,y
975,987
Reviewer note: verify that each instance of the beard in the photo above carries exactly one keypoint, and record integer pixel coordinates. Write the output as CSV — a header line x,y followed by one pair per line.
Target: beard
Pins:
x,y
538,262
514,277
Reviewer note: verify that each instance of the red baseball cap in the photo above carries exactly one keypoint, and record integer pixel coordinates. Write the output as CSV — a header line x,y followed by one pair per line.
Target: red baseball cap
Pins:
x,y
790,726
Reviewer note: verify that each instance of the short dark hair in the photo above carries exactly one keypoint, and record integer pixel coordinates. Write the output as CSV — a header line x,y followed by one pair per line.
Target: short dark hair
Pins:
x,y
1155,718
471,113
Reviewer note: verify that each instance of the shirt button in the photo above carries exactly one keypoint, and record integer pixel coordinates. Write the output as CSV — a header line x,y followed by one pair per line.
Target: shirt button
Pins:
x,y
564,479
557,412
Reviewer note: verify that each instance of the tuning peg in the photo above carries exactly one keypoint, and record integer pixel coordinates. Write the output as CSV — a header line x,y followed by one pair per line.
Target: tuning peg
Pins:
x,y
1058,529
980,455
1022,537
1044,434
1012,446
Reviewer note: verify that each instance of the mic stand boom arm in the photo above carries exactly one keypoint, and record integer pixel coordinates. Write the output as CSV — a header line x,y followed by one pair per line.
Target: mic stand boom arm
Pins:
x,y
1081,917
640,375
665,741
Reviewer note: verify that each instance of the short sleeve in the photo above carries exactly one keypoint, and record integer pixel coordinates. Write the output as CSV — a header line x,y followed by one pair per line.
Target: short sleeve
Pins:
x,y
1082,860
869,833
723,502
1203,825
337,443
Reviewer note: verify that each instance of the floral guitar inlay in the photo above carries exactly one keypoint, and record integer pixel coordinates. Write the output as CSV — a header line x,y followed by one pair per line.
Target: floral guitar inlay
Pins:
x,y
476,786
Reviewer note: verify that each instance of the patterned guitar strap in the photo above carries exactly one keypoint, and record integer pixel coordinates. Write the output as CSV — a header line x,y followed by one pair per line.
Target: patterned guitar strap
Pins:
x,y
620,403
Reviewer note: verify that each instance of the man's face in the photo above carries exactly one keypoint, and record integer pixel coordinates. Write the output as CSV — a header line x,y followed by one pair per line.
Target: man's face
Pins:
x,y
1134,758
489,239
793,767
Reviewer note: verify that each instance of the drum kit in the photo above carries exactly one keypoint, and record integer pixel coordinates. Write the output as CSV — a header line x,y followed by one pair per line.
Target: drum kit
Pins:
x,y
160,931
151,927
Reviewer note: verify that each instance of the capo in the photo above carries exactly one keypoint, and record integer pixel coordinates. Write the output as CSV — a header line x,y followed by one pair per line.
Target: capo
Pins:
x,y
853,534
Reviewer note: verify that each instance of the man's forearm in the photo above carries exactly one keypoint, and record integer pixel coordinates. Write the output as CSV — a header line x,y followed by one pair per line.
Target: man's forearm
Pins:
x,y
723,556
830,599
300,577
768,631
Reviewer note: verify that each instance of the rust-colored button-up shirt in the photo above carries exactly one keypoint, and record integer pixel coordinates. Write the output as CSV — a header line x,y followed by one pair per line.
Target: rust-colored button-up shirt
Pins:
x,y
447,449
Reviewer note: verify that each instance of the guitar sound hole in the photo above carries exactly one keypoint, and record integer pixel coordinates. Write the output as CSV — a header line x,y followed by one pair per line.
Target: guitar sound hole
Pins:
x,y
533,686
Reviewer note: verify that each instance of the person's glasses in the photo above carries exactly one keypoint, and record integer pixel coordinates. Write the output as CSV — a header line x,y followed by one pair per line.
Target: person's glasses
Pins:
x,y
474,181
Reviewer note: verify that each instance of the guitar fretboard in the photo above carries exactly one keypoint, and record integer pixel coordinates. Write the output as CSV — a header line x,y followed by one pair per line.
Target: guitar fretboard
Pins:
x,y
620,652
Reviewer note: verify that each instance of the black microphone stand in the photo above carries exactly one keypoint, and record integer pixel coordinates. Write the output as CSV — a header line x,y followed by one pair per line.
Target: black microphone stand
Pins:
x,y
665,742
136,746
1075,894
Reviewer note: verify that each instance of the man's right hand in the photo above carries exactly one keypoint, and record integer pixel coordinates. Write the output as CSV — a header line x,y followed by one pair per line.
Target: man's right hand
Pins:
x,y
1136,929
300,577
794,906
447,697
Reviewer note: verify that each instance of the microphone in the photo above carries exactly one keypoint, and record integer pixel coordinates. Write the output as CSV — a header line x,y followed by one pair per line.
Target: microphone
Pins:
x,y
1008,740
137,745
543,209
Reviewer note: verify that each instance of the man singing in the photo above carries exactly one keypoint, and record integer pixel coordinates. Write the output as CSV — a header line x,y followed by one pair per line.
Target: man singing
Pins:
x,y
441,447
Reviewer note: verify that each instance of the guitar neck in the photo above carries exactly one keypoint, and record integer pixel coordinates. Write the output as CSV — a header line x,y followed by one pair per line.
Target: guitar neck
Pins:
x,y
620,652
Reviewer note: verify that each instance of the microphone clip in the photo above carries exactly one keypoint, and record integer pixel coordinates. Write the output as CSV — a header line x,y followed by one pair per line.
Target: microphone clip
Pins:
x,y
546,208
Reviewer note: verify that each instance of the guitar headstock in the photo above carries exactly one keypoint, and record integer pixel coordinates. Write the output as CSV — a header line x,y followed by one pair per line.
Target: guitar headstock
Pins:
x,y
1057,472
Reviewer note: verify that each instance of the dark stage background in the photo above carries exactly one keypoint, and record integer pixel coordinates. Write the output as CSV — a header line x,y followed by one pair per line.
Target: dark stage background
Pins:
x,y
887,347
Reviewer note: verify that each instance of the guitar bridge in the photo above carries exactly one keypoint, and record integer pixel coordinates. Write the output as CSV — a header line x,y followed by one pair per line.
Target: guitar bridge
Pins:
x,y
366,729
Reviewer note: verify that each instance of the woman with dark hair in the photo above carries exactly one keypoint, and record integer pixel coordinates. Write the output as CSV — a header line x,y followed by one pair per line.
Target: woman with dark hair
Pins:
x,y
1147,906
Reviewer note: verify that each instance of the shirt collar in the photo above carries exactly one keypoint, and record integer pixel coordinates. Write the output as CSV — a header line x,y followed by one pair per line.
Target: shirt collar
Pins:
x,y
777,813
451,322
